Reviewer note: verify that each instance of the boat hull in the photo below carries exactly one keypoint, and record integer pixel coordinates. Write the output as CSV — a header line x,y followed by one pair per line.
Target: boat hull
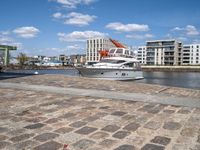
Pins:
x,y
110,74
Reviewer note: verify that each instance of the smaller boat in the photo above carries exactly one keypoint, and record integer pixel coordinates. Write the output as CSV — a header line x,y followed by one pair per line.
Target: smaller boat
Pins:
x,y
115,64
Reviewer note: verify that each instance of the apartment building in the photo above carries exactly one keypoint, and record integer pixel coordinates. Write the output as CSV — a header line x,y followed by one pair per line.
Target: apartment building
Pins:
x,y
141,54
164,52
94,45
191,54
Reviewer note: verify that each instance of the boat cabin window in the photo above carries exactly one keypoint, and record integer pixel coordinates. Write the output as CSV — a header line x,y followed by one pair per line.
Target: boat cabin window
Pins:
x,y
132,64
120,61
126,52
112,61
119,51
112,51
91,63
131,53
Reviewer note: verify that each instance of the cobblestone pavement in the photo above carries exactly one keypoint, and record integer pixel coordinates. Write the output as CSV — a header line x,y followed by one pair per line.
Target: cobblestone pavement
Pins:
x,y
49,121
88,83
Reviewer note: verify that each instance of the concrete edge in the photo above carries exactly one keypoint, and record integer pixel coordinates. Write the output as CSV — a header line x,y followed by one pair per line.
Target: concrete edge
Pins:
x,y
157,98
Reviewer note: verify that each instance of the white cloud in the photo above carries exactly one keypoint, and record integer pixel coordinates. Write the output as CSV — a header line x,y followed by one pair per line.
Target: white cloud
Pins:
x,y
177,29
182,38
79,19
136,36
57,15
87,2
73,3
75,18
191,30
6,39
4,33
127,27
81,36
196,41
26,32
56,50
74,47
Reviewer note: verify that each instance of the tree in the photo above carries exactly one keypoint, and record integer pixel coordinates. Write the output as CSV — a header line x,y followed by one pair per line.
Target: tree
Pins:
x,y
22,58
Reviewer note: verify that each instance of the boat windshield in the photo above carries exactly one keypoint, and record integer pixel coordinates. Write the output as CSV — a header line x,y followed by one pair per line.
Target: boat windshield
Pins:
x,y
119,51
112,61
112,51
133,65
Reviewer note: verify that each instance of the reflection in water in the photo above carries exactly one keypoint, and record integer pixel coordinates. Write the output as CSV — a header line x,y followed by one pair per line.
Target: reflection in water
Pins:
x,y
179,79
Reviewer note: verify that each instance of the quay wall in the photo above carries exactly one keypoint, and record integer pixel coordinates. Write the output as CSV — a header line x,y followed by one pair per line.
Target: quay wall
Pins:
x,y
26,67
171,68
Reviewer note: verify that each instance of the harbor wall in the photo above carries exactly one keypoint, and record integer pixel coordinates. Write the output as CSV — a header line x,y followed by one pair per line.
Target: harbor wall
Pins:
x,y
171,68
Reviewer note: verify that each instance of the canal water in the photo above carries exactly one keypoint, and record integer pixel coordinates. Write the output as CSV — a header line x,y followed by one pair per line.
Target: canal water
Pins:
x,y
176,79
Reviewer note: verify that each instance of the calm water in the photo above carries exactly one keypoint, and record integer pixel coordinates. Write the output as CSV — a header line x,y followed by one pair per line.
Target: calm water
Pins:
x,y
178,79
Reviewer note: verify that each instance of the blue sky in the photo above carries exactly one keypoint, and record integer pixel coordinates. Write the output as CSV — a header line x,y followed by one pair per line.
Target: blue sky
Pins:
x,y
53,27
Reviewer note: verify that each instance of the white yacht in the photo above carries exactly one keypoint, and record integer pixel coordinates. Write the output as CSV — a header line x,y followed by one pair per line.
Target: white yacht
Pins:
x,y
115,64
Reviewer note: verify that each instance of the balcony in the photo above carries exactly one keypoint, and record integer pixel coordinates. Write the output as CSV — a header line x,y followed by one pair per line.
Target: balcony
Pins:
x,y
150,50
169,50
150,60
168,56
186,57
150,55
168,61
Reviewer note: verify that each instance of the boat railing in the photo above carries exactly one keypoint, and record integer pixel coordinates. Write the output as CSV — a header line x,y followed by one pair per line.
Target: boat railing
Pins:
x,y
121,55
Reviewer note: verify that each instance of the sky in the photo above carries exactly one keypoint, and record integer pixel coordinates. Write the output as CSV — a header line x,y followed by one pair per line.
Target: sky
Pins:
x,y
54,27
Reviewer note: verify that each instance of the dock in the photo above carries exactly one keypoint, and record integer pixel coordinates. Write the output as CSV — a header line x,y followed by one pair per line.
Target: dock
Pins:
x,y
50,112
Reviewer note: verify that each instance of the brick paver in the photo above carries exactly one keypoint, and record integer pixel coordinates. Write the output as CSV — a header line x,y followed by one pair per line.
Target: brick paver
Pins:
x,y
87,83
44,120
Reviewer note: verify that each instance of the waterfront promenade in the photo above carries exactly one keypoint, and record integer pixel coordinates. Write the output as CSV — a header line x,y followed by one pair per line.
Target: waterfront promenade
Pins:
x,y
71,113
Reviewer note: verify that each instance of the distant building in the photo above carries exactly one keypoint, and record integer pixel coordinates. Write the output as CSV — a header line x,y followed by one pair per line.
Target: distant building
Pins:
x,y
141,54
77,59
43,60
54,58
163,52
13,60
39,57
46,59
191,54
64,59
94,45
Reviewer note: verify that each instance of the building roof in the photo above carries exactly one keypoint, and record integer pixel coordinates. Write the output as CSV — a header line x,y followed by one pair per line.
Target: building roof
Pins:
x,y
162,40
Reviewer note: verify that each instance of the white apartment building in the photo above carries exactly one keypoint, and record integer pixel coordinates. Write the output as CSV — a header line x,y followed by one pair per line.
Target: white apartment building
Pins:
x,y
163,52
94,45
141,54
191,54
